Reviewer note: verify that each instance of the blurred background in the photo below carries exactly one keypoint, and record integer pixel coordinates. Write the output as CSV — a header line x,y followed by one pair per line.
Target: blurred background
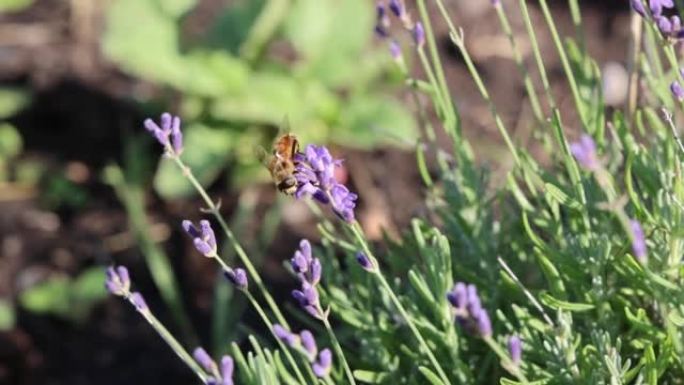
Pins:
x,y
82,185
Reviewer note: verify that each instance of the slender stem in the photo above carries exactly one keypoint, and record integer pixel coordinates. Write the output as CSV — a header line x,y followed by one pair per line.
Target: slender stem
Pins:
x,y
439,96
527,81
269,325
171,341
395,300
458,41
577,21
214,210
636,29
337,347
564,60
450,121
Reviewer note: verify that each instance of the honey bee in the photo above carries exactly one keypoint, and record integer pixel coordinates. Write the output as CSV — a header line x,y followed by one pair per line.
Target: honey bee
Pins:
x,y
280,162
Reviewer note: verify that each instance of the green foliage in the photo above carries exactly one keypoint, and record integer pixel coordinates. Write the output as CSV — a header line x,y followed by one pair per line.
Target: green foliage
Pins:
x,y
69,298
329,93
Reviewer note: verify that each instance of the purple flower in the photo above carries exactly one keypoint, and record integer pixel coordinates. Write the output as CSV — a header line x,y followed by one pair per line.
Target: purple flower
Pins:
x,y
309,344
469,311
291,339
382,22
677,90
227,368
322,367
419,34
169,134
638,240
458,296
496,2
365,262
515,349
585,152
315,173
638,6
664,25
204,238
314,274
238,278
397,8
139,302
203,358
395,50
117,280
658,5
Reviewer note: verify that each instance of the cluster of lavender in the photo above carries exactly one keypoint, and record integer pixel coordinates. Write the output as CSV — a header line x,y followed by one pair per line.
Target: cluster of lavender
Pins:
x,y
677,89
118,282
315,173
304,342
308,270
584,152
169,135
670,27
204,240
468,309
383,24
222,375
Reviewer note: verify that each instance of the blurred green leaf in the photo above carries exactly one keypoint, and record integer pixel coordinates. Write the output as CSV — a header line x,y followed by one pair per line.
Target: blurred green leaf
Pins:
x,y
7,315
10,141
556,304
51,296
14,5
233,24
11,101
206,152
370,120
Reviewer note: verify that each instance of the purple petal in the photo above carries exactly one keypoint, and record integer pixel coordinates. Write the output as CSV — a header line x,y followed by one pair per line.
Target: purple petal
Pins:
x,y
227,368
190,228
309,343
139,302
203,358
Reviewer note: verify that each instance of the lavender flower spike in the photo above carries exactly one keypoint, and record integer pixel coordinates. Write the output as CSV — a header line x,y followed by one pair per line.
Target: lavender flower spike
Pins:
x,y
309,344
203,358
117,281
419,34
315,173
291,339
139,302
227,368
323,366
638,241
395,50
365,262
658,5
585,152
515,349
238,278
484,324
169,134
203,238
638,7
677,90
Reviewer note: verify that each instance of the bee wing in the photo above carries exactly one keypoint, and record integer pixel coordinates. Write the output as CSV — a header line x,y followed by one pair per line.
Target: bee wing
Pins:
x,y
261,154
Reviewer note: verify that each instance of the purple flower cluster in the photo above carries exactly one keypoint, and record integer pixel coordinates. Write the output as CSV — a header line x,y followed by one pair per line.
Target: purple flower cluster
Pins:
x,y
584,152
220,375
321,362
168,135
308,269
118,282
515,349
315,173
638,240
204,240
468,309
383,24
670,27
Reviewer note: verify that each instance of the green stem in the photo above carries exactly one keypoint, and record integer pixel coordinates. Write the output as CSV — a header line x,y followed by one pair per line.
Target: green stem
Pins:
x,y
395,300
214,210
458,41
450,108
577,21
284,348
337,347
527,81
171,341
564,60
